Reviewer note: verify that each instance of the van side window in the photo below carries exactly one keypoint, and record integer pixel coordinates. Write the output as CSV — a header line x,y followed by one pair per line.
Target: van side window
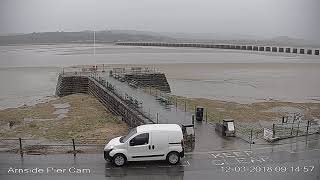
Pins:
x,y
141,139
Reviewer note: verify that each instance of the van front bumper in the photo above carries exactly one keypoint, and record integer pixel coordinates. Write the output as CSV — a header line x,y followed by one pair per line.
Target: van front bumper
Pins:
x,y
106,154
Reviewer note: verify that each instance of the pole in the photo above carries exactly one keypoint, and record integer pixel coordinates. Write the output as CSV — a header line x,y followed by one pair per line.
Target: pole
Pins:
x,y
94,42
176,103
192,120
157,118
308,127
206,114
273,131
251,137
291,129
74,148
20,145
298,128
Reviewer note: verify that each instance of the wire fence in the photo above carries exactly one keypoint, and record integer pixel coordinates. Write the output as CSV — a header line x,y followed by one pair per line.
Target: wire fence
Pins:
x,y
25,145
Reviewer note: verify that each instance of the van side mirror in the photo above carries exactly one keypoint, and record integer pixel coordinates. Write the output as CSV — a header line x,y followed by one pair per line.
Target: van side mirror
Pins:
x,y
131,143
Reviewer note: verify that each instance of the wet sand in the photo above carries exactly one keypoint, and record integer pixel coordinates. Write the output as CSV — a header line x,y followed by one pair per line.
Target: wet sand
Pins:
x,y
227,75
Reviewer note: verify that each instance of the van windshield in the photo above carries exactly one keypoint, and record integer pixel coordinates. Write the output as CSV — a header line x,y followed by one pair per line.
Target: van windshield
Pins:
x,y
126,137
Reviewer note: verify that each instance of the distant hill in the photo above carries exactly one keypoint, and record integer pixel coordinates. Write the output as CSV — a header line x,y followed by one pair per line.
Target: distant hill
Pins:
x,y
110,36
80,37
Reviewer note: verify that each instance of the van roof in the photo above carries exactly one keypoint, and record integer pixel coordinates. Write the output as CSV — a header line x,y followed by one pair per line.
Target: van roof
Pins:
x,y
158,127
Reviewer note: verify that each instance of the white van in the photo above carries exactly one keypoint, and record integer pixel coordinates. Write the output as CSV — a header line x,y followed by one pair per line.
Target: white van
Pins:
x,y
147,143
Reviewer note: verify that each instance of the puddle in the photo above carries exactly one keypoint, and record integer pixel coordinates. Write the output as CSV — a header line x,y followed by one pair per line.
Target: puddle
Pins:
x,y
61,106
61,110
285,109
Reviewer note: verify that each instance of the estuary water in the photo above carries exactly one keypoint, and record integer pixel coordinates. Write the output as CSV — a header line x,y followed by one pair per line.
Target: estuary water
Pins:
x,y
28,73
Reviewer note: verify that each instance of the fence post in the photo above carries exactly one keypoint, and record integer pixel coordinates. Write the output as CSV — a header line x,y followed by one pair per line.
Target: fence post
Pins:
x,y
20,145
176,103
192,120
157,118
291,129
298,129
206,114
74,148
308,127
251,137
273,131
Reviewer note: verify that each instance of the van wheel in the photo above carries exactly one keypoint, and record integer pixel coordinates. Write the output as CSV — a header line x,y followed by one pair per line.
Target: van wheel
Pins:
x,y
119,160
173,158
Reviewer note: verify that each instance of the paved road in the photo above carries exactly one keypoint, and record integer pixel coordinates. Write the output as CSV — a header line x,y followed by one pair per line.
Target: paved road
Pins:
x,y
280,162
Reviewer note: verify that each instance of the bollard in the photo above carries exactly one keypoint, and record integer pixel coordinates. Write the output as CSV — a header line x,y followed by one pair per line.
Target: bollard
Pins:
x,y
20,145
74,148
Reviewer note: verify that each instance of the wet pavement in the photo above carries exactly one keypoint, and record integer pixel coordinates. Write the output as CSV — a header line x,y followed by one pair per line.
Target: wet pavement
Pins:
x,y
207,139
279,162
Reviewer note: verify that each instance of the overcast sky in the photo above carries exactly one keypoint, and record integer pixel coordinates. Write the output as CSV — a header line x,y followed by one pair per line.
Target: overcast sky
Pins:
x,y
265,18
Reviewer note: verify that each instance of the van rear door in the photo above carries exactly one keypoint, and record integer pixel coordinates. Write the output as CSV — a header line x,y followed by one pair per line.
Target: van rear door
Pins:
x,y
159,144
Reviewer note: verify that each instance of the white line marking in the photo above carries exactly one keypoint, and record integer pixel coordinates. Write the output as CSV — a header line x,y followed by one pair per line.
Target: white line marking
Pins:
x,y
185,165
305,151
138,167
164,166
235,150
